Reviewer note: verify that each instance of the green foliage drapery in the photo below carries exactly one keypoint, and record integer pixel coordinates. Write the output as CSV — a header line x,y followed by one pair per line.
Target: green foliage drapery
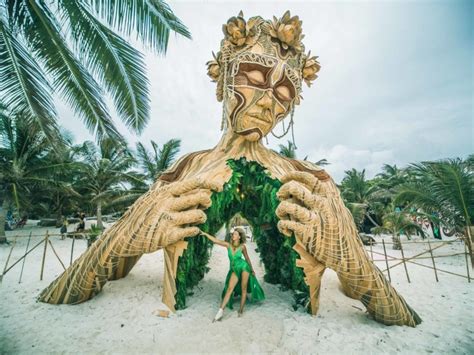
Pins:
x,y
251,192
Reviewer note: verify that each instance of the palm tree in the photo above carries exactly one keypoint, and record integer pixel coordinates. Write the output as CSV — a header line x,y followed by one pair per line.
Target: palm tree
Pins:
x,y
155,163
61,198
105,169
356,189
391,176
444,188
288,151
395,223
322,162
76,49
24,166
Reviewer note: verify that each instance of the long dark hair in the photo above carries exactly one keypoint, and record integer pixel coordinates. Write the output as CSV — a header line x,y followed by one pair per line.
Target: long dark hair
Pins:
x,y
243,236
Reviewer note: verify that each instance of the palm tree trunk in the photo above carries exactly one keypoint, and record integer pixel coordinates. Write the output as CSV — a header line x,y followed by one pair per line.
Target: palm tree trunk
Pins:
x,y
468,239
396,241
371,220
3,218
99,214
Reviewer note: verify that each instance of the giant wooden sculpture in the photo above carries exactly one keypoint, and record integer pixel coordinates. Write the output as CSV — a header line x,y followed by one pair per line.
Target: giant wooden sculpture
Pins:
x,y
259,70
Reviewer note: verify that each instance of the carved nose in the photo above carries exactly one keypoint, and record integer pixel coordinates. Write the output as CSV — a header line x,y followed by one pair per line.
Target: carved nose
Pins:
x,y
266,100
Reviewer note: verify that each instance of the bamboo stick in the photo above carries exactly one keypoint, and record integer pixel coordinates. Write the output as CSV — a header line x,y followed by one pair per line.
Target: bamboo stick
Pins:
x,y
386,261
415,256
420,257
8,258
54,251
403,259
46,239
24,258
72,248
441,270
432,258
16,262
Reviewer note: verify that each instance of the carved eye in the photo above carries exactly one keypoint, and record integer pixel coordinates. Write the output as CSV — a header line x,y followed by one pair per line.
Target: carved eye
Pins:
x,y
283,92
255,77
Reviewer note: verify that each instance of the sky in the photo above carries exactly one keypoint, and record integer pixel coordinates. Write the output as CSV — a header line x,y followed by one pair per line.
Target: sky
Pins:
x,y
395,85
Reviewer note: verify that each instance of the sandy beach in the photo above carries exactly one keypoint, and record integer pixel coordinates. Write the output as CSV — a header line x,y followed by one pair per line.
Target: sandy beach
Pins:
x,y
121,318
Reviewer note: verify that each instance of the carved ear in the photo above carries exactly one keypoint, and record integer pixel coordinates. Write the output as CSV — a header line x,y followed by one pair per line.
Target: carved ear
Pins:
x,y
213,67
310,68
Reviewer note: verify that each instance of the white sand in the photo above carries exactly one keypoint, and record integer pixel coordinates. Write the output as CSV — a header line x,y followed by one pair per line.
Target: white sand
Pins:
x,y
120,319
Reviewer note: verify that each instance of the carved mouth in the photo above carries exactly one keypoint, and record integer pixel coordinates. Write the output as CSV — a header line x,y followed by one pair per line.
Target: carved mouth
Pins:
x,y
264,118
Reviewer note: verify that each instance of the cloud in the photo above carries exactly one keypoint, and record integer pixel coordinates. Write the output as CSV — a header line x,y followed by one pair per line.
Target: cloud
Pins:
x,y
342,158
395,84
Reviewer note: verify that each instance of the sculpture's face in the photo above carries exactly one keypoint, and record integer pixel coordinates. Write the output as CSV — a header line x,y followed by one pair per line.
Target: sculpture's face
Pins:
x,y
262,94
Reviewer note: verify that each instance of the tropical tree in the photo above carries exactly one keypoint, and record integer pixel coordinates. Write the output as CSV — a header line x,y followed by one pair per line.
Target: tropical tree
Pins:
x,y
322,162
24,166
444,189
288,150
61,198
156,162
392,176
105,171
78,49
362,193
152,165
396,223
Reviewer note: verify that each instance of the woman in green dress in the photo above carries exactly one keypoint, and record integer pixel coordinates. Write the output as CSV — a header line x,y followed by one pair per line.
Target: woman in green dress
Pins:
x,y
241,278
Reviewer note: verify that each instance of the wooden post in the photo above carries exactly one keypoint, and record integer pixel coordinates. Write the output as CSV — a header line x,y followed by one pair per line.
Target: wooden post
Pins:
x,y
46,239
386,261
8,258
371,252
467,263
24,257
432,258
72,247
403,259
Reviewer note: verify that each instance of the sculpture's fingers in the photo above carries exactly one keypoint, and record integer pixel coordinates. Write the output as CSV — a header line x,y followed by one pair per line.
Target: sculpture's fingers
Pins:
x,y
201,198
181,233
190,217
182,187
309,180
301,230
287,210
293,189
297,190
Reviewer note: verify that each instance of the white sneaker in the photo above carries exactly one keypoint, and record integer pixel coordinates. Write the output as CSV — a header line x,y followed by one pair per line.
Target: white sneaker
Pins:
x,y
219,315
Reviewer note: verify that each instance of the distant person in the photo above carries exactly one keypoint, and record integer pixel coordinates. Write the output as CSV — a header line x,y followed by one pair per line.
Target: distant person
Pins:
x,y
82,223
63,230
21,223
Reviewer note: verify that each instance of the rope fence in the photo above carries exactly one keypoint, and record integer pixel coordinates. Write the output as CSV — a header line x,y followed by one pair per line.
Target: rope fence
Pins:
x,y
420,256
46,241
403,260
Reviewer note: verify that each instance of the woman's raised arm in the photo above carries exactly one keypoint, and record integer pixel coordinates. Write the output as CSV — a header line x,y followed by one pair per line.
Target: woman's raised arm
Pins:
x,y
215,240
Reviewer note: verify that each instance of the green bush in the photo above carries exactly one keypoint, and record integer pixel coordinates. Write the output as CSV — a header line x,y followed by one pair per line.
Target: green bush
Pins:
x,y
252,192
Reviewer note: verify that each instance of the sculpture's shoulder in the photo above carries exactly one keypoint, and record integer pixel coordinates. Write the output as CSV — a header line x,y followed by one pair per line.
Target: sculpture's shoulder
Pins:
x,y
309,167
181,166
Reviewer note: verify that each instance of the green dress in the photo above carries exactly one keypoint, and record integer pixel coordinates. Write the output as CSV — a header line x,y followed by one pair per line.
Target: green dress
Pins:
x,y
237,265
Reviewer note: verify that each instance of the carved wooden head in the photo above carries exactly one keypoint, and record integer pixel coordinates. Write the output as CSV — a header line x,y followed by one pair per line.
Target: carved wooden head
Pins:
x,y
259,70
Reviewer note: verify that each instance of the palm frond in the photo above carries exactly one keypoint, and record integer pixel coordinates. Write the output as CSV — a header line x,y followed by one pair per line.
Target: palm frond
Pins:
x,y
151,20
167,154
71,79
23,85
119,66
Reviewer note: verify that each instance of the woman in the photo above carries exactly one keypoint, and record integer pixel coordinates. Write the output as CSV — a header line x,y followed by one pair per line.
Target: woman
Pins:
x,y
241,278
